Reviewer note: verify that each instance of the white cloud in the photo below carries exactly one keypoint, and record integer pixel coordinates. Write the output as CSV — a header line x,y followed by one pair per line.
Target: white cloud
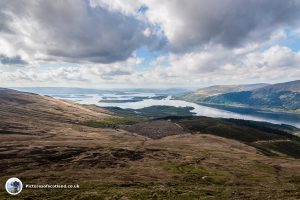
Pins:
x,y
277,63
70,31
197,23
221,66
92,73
203,42
128,7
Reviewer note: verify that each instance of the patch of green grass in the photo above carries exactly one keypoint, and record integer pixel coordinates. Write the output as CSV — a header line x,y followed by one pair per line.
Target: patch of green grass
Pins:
x,y
294,179
290,148
186,168
191,173
112,122
154,112
263,149
263,167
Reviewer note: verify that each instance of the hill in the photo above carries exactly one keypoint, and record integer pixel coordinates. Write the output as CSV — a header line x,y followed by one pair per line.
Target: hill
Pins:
x,y
202,93
283,97
115,156
293,86
22,111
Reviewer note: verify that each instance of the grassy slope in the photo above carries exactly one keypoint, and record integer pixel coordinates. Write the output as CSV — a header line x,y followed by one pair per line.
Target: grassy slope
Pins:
x,y
279,137
116,164
278,100
179,167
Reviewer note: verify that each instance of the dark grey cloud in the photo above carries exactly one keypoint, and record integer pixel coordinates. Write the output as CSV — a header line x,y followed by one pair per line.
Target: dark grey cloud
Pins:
x,y
11,61
4,22
71,30
231,23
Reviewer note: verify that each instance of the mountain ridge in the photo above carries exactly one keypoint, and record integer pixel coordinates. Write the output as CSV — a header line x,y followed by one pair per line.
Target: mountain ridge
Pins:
x,y
283,97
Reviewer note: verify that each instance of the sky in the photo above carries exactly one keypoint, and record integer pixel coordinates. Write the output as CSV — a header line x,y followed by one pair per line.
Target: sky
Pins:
x,y
148,43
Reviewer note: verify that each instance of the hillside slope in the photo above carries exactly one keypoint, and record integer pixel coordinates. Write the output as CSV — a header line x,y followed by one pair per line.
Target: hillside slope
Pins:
x,y
44,141
202,93
280,97
293,86
22,111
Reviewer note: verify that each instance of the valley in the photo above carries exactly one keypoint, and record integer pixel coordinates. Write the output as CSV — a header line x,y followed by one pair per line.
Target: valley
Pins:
x,y
162,102
114,155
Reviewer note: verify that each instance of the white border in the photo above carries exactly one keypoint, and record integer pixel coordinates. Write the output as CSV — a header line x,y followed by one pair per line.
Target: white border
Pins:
x,y
13,179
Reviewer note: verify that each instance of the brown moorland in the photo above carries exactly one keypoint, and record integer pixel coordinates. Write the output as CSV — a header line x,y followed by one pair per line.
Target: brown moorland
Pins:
x,y
44,142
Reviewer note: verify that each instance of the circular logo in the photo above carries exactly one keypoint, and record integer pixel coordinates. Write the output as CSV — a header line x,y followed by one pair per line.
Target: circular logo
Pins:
x,y
13,186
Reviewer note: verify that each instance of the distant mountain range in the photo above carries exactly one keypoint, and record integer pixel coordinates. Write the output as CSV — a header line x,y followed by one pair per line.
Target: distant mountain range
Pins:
x,y
277,97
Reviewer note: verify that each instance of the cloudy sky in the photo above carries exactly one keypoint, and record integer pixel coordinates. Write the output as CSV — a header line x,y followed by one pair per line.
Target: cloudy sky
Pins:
x,y
148,43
